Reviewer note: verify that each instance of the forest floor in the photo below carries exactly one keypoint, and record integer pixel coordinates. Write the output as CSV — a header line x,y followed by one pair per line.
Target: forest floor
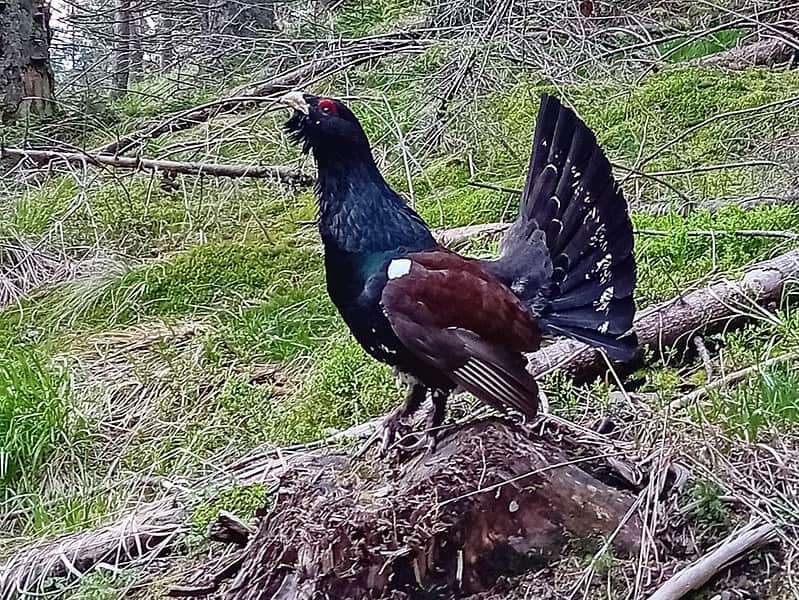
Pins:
x,y
153,331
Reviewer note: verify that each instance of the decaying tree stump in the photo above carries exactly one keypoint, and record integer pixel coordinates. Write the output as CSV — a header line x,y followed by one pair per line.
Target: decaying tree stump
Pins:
x,y
494,499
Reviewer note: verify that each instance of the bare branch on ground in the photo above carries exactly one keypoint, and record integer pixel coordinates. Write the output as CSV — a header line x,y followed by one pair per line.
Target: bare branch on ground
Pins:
x,y
732,549
44,157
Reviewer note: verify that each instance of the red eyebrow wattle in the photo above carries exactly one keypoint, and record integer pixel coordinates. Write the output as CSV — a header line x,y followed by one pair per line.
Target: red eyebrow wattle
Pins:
x,y
327,104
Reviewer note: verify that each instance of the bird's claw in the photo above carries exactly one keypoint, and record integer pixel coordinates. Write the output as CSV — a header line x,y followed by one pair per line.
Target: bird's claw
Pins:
x,y
409,442
392,424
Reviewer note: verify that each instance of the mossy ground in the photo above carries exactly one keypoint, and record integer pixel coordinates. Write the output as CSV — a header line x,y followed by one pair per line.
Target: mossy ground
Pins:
x,y
235,258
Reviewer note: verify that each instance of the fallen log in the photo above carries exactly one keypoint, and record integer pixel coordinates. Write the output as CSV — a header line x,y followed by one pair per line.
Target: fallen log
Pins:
x,y
171,167
763,53
493,499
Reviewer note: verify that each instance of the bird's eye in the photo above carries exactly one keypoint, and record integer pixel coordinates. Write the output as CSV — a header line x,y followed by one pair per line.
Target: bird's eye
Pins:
x,y
327,106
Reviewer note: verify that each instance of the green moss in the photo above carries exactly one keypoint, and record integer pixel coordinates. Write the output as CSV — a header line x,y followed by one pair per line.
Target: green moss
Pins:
x,y
632,122
364,17
241,500
668,264
287,324
214,277
139,217
345,386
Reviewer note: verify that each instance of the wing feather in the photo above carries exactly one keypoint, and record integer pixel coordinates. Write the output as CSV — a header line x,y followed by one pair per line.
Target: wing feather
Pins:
x,y
458,318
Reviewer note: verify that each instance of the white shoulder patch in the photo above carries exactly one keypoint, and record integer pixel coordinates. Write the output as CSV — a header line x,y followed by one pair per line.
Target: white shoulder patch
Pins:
x,y
399,267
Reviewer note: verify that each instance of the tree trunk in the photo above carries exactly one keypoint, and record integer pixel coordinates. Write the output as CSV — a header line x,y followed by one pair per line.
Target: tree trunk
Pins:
x,y
239,20
166,31
494,499
26,79
136,50
121,73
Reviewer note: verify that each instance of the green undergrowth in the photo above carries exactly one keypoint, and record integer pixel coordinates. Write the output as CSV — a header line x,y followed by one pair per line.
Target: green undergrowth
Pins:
x,y
254,282
140,217
632,123
687,48
762,407
368,17
342,387
36,416
669,264
230,255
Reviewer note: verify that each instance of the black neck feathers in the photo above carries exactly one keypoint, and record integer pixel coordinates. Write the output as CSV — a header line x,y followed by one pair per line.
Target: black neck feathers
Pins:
x,y
358,210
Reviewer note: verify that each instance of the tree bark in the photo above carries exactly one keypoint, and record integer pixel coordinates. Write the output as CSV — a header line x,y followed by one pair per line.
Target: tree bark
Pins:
x,y
121,75
166,32
237,20
26,79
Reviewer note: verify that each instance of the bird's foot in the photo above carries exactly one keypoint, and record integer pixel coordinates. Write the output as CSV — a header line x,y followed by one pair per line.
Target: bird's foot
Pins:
x,y
392,425
417,441
397,434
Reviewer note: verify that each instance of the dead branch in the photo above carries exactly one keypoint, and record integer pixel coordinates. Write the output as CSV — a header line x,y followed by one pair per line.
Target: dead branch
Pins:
x,y
735,377
214,580
44,157
790,196
230,529
732,549
456,236
789,235
766,52
459,235
263,91
702,350
148,531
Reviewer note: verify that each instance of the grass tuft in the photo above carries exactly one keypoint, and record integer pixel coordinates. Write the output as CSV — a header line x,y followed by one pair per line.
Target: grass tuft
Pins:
x,y
762,406
35,412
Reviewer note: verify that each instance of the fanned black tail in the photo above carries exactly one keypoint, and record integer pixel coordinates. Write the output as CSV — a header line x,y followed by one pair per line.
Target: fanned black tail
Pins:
x,y
569,255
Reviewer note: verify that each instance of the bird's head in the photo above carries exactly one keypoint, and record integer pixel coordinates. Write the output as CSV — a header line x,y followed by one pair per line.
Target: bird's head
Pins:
x,y
325,126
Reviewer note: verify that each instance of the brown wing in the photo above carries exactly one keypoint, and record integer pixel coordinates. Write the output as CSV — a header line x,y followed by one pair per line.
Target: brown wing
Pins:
x,y
459,318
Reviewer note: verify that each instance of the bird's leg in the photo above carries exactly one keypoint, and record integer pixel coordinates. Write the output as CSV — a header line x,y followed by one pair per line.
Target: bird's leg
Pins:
x,y
393,422
436,417
434,420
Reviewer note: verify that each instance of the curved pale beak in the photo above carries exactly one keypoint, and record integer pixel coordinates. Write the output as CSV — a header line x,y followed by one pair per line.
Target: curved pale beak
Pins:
x,y
296,101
